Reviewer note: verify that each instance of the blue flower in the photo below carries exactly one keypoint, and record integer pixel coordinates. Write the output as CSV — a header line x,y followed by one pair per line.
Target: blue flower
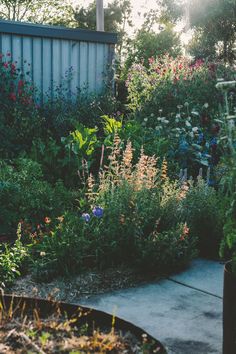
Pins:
x,y
213,141
98,212
86,217
183,146
200,139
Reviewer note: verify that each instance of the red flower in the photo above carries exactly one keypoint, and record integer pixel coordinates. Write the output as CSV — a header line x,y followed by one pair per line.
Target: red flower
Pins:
x,y
47,220
12,96
5,65
20,83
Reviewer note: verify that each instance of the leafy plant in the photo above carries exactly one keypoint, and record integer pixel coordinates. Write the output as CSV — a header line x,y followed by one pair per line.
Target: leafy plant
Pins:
x,y
227,181
11,260
168,83
203,210
26,196
19,117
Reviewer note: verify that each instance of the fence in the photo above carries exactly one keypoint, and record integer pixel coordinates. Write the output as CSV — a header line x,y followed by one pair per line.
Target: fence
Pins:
x,y
54,56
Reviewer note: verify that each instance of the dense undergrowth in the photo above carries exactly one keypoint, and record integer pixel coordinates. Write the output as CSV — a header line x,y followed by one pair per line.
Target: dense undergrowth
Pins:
x,y
83,184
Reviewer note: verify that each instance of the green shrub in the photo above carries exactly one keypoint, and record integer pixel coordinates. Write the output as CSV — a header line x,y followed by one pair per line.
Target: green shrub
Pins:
x,y
60,248
228,177
11,260
20,121
129,204
168,83
26,196
203,210
167,251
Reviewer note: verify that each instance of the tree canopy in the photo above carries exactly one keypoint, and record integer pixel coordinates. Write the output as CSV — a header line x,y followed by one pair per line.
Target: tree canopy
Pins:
x,y
57,12
213,22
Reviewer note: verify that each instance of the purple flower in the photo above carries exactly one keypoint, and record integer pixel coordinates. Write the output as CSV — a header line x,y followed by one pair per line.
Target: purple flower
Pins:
x,y
86,217
98,212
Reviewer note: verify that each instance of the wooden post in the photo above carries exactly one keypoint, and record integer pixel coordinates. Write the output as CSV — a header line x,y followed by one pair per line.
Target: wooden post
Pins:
x,y
100,15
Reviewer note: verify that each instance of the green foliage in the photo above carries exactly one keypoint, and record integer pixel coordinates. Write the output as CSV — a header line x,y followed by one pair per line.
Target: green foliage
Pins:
x,y
114,15
19,116
203,210
81,141
37,11
61,249
148,44
213,22
11,260
168,251
168,83
116,18
228,177
136,204
25,195
216,20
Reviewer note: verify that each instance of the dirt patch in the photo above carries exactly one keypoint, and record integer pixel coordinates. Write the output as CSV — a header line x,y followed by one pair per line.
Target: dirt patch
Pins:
x,y
75,288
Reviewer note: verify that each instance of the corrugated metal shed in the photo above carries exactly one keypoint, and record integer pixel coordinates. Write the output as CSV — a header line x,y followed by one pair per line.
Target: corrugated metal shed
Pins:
x,y
54,56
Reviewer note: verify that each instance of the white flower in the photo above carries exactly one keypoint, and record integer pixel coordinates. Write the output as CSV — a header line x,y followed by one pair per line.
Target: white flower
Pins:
x,y
145,119
42,254
206,105
195,130
188,124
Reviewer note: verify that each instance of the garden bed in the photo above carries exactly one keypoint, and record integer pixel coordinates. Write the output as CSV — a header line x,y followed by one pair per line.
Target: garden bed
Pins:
x,y
44,326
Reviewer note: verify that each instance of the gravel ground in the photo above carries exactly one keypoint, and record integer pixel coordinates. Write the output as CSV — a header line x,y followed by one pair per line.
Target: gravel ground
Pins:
x,y
82,286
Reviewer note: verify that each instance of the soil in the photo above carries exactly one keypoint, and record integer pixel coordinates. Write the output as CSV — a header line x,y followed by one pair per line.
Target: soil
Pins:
x,y
85,285
55,334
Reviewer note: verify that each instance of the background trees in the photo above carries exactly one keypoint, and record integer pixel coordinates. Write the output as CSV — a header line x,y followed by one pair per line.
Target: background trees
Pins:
x,y
116,16
56,12
213,23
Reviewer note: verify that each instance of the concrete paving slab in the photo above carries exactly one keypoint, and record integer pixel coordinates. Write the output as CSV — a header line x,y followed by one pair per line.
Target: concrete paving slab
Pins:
x,y
185,320
205,275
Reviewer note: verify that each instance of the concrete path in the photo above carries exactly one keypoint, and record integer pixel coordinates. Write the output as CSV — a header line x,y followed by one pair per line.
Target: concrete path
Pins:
x,y
184,311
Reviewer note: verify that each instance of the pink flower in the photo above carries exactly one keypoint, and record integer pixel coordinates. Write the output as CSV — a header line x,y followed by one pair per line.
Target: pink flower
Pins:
x,y
151,60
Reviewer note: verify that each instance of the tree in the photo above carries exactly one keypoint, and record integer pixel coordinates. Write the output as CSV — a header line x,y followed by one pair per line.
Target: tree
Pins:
x,y
215,20
116,17
214,24
148,44
57,12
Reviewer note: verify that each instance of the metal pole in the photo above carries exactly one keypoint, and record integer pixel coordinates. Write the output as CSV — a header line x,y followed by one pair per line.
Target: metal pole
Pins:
x,y
100,15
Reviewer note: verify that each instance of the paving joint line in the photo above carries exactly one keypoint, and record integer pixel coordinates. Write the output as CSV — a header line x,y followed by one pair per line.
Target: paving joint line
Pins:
x,y
194,288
